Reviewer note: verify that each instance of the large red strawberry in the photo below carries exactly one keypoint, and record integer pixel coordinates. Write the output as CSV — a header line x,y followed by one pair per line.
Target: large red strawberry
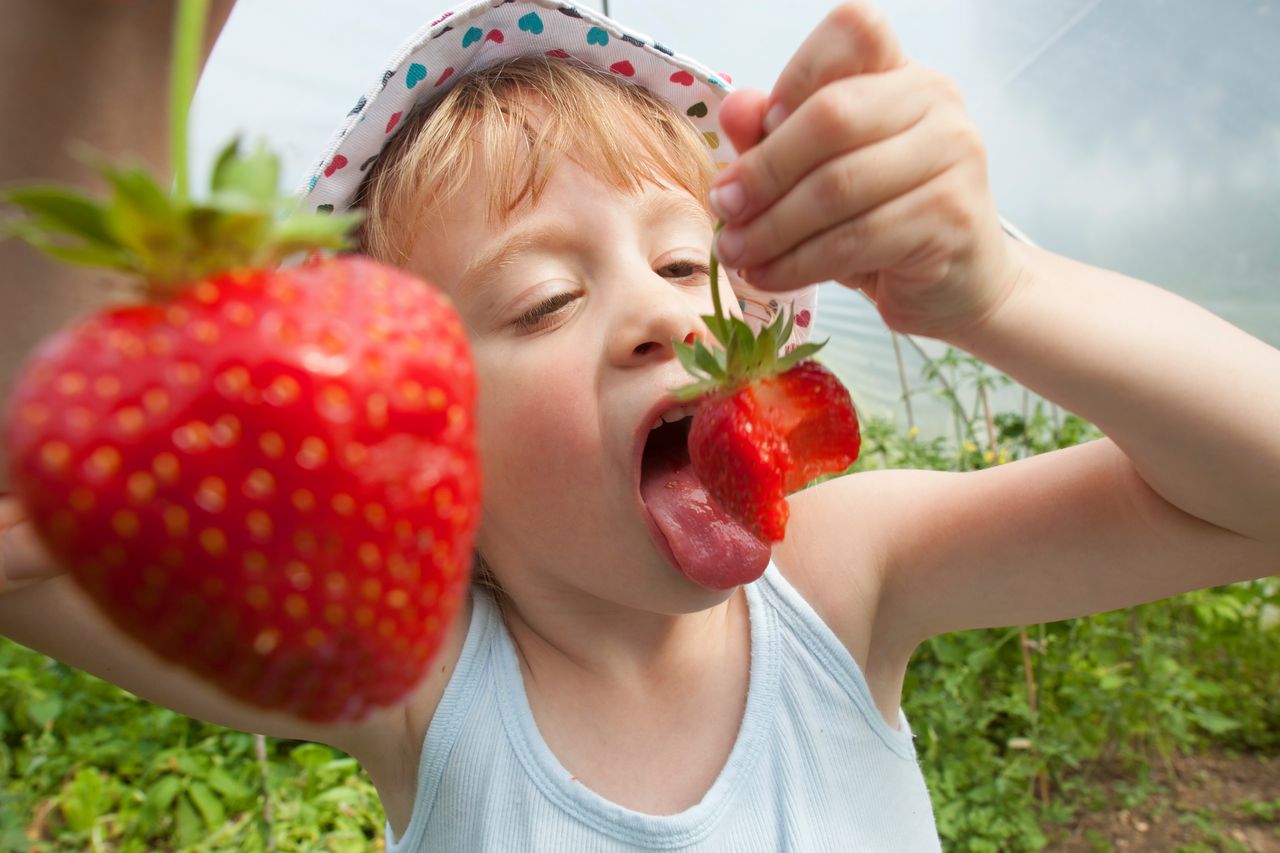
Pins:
x,y
767,425
266,475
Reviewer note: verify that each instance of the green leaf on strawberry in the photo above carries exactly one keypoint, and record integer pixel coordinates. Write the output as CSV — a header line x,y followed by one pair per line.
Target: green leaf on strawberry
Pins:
x,y
166,240
768,423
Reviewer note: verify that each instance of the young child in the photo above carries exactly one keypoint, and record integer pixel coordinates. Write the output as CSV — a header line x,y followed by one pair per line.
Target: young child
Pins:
x,y
592,695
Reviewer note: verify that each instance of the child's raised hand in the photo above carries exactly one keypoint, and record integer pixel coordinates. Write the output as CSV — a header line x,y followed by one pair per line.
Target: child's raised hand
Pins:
x,y
871,174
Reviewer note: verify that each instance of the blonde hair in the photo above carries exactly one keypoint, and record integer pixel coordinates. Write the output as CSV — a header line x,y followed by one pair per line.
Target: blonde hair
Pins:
x,y
520,119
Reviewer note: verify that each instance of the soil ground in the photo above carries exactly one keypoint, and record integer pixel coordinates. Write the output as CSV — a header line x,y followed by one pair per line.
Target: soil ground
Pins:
x,y
1207,802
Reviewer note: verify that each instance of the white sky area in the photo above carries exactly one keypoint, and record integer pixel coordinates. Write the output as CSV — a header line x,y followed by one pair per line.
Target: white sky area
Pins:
x,y
1141,135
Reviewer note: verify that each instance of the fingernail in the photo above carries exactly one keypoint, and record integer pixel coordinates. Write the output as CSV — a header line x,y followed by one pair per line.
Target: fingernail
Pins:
x,y
774,117
729,245
729,200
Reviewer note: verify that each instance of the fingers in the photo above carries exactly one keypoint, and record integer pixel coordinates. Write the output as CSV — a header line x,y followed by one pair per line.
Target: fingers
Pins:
x,y
915,235
853,39
841,189
847,115
23,559
742,118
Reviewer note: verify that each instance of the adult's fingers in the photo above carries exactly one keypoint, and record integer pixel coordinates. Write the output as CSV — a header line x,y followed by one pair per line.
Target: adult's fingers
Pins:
x,y
853,39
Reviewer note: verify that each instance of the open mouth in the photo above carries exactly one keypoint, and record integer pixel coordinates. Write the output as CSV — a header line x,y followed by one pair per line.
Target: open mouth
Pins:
x,y
667,444
702,541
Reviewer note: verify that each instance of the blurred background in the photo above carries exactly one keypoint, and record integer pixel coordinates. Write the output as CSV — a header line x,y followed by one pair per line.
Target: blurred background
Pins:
x,y
1141,136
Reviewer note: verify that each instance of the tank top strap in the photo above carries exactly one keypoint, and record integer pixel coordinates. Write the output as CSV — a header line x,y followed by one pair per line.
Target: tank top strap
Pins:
x,y
831,654
464,684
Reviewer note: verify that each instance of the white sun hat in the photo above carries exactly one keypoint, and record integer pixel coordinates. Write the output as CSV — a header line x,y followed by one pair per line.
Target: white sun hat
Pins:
x,y
482,33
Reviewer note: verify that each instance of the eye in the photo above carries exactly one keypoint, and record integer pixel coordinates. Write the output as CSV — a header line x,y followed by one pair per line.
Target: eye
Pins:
x,y
688,269
536,318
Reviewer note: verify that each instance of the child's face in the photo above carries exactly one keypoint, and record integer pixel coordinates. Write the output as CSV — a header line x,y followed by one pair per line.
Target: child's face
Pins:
x,y
572,332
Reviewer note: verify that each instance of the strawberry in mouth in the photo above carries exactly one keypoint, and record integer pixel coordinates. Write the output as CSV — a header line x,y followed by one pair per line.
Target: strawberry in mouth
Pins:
x,y
706,544
767,423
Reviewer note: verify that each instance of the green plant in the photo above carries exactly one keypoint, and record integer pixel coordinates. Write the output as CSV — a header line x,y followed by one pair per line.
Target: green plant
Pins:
x,y
1009,720
85,765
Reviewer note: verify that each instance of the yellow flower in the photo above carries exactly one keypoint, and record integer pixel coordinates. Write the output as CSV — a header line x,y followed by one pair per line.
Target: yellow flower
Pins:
x,y
988,456
968,447
1004,456
913,432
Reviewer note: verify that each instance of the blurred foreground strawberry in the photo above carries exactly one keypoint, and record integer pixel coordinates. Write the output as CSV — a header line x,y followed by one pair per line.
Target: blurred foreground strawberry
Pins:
x,y
766,425
266,475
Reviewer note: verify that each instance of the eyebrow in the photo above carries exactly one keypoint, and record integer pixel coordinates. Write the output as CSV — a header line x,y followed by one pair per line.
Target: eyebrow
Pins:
x,y
557,235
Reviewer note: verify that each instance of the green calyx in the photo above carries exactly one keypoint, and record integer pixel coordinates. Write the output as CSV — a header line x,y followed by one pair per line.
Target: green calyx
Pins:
x,y
743,356
165,237
169,240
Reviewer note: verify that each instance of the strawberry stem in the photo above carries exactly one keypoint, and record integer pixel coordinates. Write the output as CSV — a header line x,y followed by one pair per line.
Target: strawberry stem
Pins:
x,y
188,37
715,275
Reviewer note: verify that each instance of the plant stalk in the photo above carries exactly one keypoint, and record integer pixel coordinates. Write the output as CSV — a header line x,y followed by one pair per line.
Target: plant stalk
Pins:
x,y
1029,672
260,748
715,276
188,38
902,378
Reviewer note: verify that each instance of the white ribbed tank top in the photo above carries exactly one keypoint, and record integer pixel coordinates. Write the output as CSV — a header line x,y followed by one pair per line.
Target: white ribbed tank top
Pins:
x,y
814,767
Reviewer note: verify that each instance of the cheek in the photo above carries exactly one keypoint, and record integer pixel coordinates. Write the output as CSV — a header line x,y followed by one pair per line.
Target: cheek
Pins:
x,y
536,424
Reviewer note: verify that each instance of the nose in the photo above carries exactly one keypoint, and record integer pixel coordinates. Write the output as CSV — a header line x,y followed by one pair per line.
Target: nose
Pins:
x,y
651,320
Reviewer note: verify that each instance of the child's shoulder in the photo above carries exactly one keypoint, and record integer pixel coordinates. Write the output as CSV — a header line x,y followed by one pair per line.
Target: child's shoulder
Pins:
x,y
389,745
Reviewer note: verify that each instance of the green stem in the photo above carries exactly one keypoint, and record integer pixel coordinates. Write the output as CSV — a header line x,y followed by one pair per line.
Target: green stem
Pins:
x,y
188,38
715,276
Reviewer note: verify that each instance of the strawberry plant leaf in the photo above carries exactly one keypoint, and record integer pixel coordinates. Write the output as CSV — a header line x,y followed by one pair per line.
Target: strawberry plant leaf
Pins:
x,y
137,193
799,354
718,327
86,254
712,363
766,349
64,211
255,176
187,828
208,804
688,357
227,785
787,327
302,231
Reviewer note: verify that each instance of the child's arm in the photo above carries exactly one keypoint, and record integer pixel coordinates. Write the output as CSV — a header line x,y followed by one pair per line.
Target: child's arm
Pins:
x,y
41,608
875,177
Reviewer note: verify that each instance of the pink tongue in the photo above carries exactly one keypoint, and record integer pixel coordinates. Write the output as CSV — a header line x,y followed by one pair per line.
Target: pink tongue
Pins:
x,y
710,548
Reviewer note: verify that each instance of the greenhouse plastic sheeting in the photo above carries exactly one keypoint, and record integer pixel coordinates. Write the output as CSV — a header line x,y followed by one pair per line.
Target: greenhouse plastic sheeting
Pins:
x,y
1142,136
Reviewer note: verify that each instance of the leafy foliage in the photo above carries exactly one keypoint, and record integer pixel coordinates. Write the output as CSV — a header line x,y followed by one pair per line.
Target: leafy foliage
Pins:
x,y
1133,685
85,765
